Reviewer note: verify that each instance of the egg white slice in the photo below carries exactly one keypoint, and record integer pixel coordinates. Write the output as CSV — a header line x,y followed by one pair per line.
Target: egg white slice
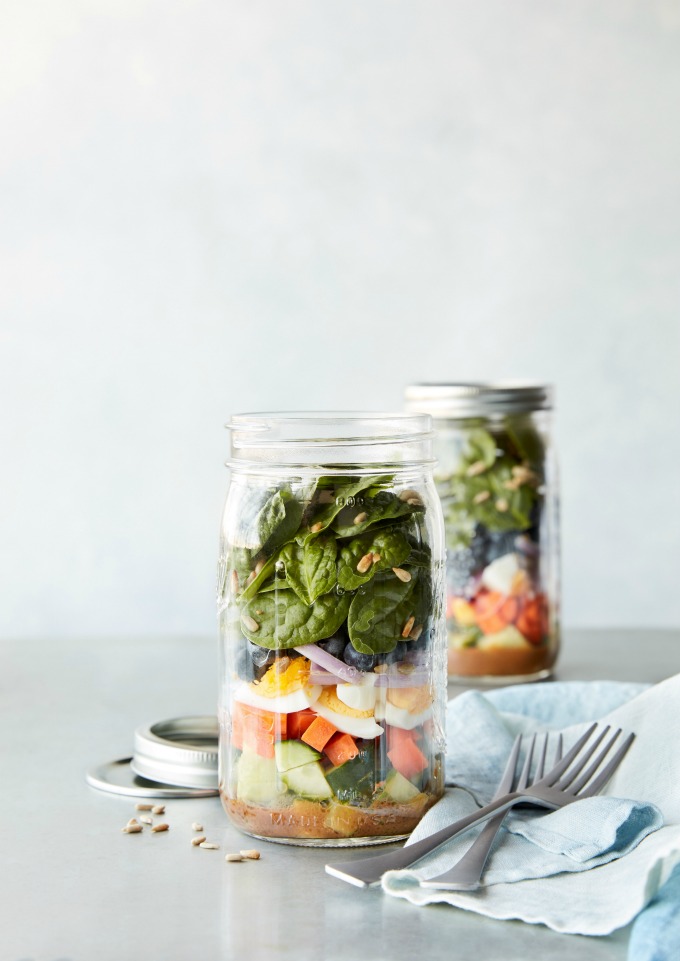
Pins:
x,y
281,704
400,717
361,696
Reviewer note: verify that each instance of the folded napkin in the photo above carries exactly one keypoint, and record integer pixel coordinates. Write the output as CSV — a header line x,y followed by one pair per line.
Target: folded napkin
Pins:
x,y
592,866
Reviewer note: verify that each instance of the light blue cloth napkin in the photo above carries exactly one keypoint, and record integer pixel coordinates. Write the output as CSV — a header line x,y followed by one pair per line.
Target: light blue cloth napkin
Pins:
x,y
592,866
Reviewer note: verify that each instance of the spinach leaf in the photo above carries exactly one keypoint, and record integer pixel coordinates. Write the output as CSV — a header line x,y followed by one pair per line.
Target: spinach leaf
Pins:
x,y
257,584
278,520
310,567
377,615
285,621
480,448
323,510
381,506
526,440
390,543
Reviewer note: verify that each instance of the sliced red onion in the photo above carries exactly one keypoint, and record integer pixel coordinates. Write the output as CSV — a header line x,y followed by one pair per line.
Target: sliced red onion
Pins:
x,y
317,675
318,656
397,679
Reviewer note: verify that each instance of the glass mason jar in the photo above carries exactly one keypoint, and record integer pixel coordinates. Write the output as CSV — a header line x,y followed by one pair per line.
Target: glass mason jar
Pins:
x,y
497,480
333,639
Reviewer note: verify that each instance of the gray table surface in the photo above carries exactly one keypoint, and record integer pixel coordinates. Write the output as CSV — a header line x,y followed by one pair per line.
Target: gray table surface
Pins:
x,y
73,887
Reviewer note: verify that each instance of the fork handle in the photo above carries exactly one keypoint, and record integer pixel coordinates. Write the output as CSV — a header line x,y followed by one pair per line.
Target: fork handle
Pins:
x,y
365,871
465,875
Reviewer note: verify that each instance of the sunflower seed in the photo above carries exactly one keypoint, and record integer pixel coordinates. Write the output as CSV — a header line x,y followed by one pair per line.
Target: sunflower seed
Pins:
x,y
475,469
132,829
232,857
209,846
408,626
199,840
157,828
252,854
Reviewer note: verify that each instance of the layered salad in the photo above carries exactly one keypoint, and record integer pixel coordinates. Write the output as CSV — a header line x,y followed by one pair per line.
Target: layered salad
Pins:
x,y
330,717
499,617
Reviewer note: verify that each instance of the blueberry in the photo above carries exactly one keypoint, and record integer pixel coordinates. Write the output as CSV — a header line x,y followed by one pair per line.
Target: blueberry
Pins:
x,y
423,641
463,563
363,662
500,543
334,646
260,656
243,665
398,654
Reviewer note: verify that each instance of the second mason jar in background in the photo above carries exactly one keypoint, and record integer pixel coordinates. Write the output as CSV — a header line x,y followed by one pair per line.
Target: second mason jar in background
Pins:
x,y
497,480
331,605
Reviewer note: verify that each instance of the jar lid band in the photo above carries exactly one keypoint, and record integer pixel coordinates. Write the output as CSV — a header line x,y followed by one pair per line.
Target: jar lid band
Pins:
x,y
478,398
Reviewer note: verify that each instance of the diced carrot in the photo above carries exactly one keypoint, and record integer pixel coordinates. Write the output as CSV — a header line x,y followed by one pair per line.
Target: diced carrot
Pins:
x,y
407,758
298,722
257,730
319,733
341,748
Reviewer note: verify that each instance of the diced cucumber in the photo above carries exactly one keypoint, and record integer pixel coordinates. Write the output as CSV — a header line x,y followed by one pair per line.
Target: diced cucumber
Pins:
x,y
354,780
290,754
257,779
308,781
399,789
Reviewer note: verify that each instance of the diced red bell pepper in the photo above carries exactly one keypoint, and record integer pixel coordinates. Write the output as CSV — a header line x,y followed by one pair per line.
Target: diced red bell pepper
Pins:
x,y
298,722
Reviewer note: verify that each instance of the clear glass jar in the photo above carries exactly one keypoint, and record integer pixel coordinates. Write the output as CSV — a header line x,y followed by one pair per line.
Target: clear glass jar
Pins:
x,y
497,480
333,640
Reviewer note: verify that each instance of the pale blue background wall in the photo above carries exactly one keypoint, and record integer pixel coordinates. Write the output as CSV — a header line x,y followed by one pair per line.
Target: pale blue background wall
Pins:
x,y
213,206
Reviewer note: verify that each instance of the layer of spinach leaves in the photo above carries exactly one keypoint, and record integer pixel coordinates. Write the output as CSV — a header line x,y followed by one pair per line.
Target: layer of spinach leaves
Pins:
x,y
484,490
297,566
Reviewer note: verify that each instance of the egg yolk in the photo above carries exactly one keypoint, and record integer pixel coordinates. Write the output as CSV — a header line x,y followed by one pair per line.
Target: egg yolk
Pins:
x,y
284,677
411,699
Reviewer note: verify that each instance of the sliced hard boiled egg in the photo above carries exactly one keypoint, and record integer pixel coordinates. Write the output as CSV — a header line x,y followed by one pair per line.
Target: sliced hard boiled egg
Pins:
x,y
346,719
400,717
500,574
406,707
283,688
361,696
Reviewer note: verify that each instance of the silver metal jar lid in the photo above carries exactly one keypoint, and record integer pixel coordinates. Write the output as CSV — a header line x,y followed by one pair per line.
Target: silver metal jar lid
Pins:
x,y
477,398
172,758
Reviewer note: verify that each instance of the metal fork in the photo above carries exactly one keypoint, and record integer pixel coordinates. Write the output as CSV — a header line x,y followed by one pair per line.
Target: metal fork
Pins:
x,y
564,783
466,874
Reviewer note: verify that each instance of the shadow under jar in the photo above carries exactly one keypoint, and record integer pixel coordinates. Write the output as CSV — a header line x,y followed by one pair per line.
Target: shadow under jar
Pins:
x,y
497,480
332,632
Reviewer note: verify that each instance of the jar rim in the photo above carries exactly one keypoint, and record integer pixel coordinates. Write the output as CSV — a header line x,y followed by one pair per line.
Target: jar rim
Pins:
x,y
340,438
476,398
